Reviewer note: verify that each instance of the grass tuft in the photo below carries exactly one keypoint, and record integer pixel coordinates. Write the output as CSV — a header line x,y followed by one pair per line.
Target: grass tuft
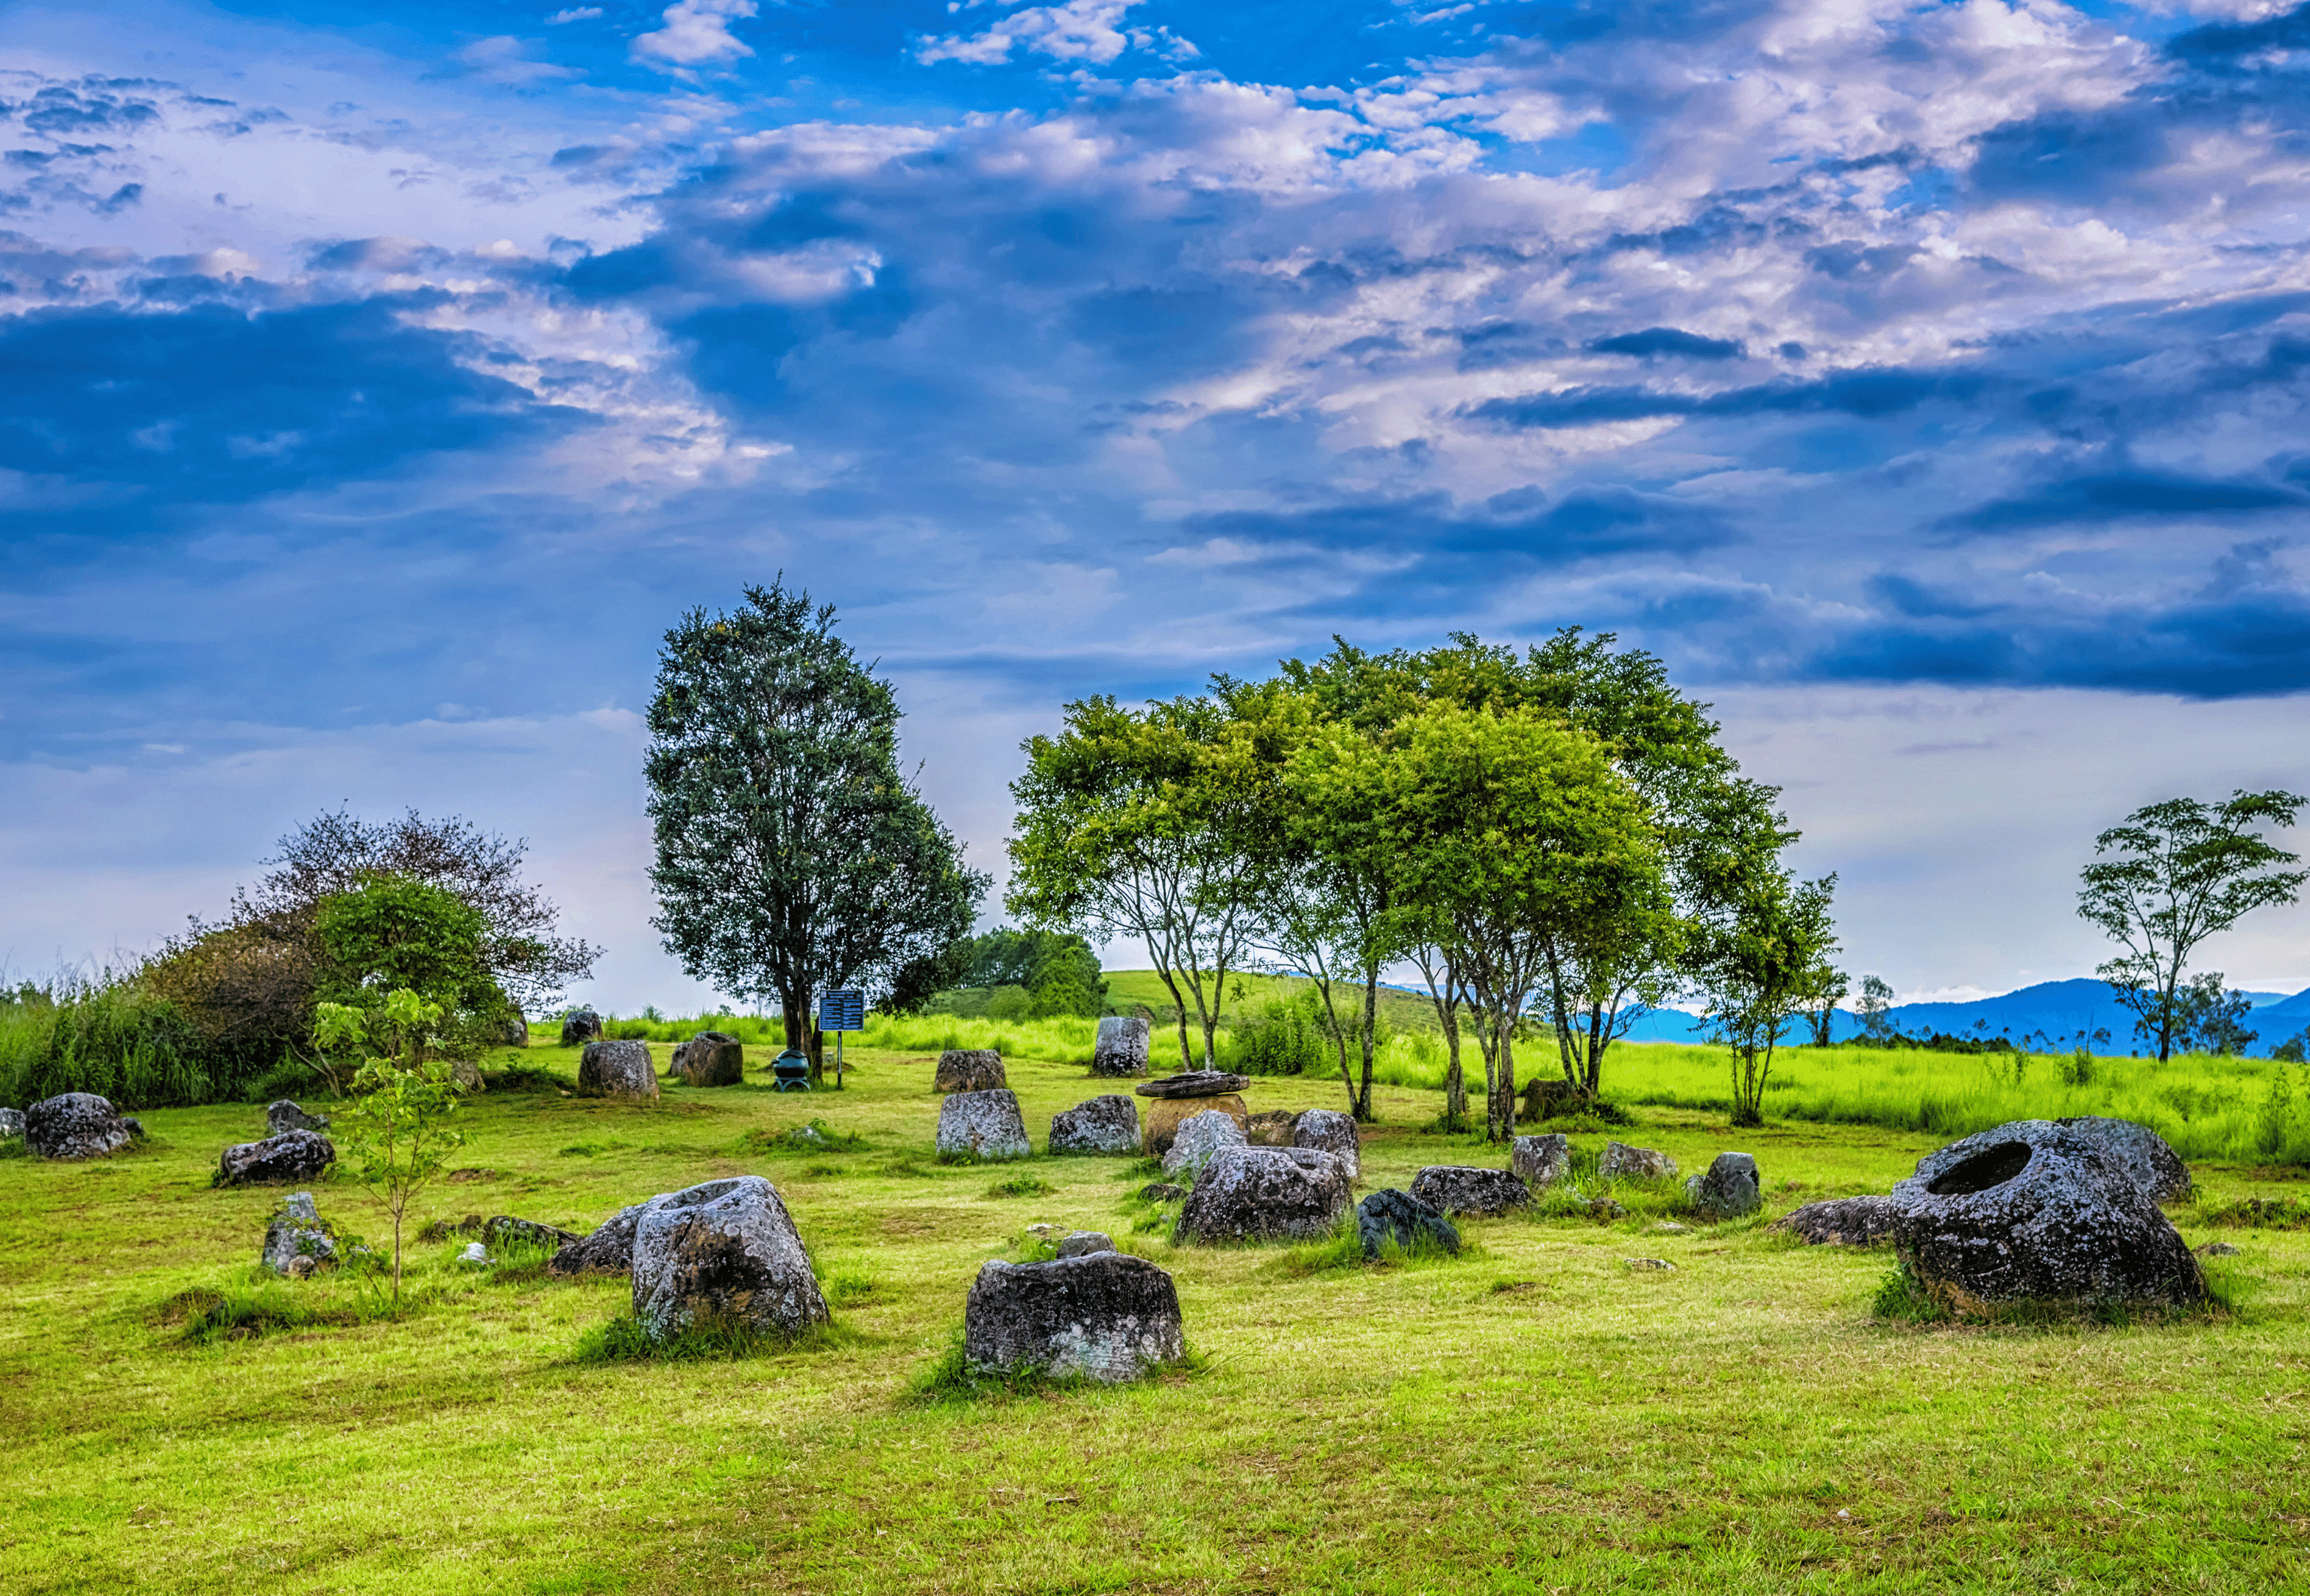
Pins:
x,y
716,1340
2261,1213
1021,1185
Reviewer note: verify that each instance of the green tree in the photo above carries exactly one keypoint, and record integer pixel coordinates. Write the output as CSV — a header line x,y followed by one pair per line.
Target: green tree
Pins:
x,y
1059,972
1873,1006
2172,875
393,932
2213,1020
1511,830
1831,986
1155,824
397,1134
1768,954
793,855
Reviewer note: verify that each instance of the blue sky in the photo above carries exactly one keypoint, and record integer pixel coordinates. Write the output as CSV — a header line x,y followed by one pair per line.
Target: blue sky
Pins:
x,y
1925,383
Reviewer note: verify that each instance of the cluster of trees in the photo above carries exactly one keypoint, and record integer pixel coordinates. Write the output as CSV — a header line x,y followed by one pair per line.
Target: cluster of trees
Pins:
x,y
1555,835
1023,974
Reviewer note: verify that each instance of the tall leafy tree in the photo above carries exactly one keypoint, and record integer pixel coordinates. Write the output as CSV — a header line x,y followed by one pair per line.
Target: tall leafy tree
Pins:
x,y
1766,955
1512,829
2172,875
1156,824
793,854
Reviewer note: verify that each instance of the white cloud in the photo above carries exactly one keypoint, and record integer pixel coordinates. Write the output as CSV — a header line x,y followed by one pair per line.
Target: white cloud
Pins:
x,y
1090,31
576,13
696,32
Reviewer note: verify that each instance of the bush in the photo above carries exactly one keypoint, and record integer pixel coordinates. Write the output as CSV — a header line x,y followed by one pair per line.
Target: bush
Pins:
x,y
1283,1036
111,1037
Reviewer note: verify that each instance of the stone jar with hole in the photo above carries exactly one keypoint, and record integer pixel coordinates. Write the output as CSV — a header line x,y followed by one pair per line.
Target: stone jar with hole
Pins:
x,y
982,1126
616,1069
580,1026
725,1253
2136,1151
2043,1218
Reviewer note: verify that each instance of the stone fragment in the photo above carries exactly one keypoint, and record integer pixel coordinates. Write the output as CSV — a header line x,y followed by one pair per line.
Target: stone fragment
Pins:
x,y
616,1069
1841,1222
1121,1049
1265,1193
1082,1244
1671,1227
2217,1249
711,1058
475,1256
1729,1187
1270,1129
983,1124
1328,1131
12,1124
580,1026
1160,1123
1106,1124
725,1251
297,1232
1622,1162
293,1155
1398,1216
1194,1083
2043,1217
284,1115
1103,1316
1541,1161
504,1230
1458,1188
77,1125
970,1069
1201,1138
1161,1190
1651,1263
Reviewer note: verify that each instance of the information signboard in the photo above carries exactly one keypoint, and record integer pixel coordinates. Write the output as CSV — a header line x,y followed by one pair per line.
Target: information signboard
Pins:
x,y
841,1011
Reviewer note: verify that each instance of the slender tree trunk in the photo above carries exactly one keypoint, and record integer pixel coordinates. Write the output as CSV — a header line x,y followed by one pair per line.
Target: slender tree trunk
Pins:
x,y
1371,1027
1455,1082
397,1208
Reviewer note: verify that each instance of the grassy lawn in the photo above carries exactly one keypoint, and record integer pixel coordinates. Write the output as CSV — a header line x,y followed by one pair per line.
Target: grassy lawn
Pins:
x,y
1534,1416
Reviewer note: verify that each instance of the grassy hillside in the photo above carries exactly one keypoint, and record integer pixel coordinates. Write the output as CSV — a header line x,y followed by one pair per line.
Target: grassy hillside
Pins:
x,y
1533,1416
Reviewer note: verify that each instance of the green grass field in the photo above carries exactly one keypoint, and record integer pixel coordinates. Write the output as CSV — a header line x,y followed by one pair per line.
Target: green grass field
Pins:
x,y
1532,1417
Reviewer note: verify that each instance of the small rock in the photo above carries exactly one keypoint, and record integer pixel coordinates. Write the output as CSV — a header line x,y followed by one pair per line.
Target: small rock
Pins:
x,y
1082,1244
284,1115
1265,1193
302,1267
1622,1162
1602,1208
1121,1049
1105,1316
985,1124
1327,1130
1391,1215
1165,1116
2217,1249
1458,1188
12,1124
1194,1083
77,1125
1161,1192
616,1069
297,1234
970,1069
726,1250
1728,1189
1841,1222
1541,1161
1199,1139
1108,1125
1042,1232
1671,1227
1270,1129
293,1155
1652,1263
580,1026
710,1058
475,1256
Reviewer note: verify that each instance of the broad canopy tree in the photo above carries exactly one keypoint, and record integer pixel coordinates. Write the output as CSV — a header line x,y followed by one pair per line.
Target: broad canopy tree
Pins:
x,y
2172,875
794,855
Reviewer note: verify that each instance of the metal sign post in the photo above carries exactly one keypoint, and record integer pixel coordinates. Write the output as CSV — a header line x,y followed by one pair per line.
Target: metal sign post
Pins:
x,y
841,1011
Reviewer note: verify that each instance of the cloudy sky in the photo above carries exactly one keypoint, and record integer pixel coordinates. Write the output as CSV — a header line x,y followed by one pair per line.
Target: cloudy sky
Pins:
x,y
1925,382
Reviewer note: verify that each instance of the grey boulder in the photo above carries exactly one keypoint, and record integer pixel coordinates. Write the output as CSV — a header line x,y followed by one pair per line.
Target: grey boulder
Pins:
x,y
1199,1139
970,1069
711,1058
1622,1162
77,1125
1729,1187
2043,1218
1328,1131
580,1025
1841,1222
609,1249
1399,1217
982,1126
1461,1189
1121,1049
284,1115
1540,1160
295,1231
1108,1125
12,1124
1103,1316
1264,1194
723,1253
293,1155
1082,1244
616,1069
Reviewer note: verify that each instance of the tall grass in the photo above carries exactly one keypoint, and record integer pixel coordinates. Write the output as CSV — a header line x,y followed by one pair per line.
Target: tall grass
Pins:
x,y
1065,1040
103,1033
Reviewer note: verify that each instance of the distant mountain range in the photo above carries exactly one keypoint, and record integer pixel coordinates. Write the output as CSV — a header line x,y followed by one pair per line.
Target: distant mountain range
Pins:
x,y
2052,1015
